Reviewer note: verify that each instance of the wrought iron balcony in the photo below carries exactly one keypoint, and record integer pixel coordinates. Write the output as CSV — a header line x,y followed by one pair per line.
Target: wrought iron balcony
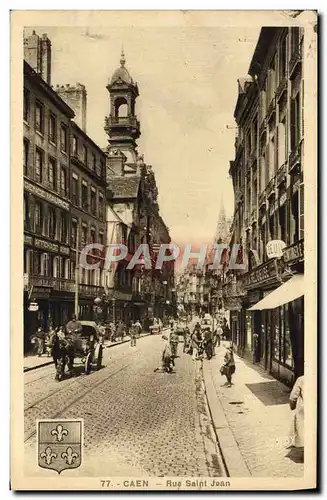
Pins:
x,y
250,160
271,108
295,59
281,88
263,126
270,189
254,215
294,159
262,198
281,174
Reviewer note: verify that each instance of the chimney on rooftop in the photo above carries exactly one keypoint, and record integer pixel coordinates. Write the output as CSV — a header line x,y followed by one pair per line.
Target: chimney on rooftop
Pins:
x,y
75,97
37,53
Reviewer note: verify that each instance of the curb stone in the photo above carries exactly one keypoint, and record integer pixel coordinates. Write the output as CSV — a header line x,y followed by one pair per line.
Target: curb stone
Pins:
x,y
230,452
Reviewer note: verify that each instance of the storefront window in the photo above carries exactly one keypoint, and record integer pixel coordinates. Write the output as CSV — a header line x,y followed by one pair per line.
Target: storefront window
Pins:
x,y
288,355
248,329
275,334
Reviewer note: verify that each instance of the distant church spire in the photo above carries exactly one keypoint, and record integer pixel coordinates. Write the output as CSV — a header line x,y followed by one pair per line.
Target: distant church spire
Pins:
x,y
221,229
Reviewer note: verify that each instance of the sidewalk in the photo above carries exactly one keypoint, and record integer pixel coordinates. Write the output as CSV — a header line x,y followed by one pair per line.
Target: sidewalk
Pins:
x,y
32,362
252,420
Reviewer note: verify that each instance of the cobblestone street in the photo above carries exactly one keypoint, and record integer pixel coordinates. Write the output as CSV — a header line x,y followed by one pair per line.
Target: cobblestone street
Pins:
x,y
136,421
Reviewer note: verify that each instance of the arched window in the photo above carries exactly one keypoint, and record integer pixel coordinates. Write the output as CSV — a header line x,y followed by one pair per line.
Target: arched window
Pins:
x,y
121,107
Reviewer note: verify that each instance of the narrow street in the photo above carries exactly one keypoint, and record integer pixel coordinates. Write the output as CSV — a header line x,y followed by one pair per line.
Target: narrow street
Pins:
x,y
136,421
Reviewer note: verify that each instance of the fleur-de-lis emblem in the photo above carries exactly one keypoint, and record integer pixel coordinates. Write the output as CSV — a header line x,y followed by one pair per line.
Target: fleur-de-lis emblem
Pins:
x,y
48,455
69,456
60,432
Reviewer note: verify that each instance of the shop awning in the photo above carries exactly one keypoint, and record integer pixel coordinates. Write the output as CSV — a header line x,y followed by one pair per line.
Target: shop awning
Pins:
x,y
291,290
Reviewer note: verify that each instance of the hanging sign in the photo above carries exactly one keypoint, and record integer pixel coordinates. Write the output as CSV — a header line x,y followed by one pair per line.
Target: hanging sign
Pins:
x,y
34,306
274,248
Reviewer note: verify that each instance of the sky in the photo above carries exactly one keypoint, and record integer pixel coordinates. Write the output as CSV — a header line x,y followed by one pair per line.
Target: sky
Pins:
x,y
187,79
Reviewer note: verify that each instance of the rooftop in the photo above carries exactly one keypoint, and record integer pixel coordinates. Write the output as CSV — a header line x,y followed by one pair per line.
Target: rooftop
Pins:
x,y
124,187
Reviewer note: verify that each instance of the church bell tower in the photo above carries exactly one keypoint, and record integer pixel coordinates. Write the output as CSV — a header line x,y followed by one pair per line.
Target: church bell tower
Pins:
x,y
122,125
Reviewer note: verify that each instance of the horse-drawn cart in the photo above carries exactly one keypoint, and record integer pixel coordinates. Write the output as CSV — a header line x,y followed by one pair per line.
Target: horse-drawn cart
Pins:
x,y
83,348
88,346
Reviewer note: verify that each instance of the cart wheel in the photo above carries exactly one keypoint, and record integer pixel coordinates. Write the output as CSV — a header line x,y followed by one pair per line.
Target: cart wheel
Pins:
x,y
99,358
88,363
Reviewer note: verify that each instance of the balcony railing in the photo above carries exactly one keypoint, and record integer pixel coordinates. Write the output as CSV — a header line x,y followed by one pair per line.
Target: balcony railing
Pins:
x,y
263,126
254,215
270,189
281,88
262,198
121,121
271,108
294,158
91,290
294,60
250,160
65,285
281,174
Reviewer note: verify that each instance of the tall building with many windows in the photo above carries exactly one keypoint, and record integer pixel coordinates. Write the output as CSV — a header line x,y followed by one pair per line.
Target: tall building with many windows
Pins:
x,y
64,188
268,223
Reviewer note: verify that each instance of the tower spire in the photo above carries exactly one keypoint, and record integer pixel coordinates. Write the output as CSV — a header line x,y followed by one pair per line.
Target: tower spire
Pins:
x,y
122,58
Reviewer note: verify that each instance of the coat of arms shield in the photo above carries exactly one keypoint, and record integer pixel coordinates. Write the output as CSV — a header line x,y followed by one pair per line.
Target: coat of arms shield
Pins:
x,y
59,444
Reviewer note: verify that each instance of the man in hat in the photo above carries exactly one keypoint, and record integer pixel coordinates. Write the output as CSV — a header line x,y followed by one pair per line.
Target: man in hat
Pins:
x,y
228,368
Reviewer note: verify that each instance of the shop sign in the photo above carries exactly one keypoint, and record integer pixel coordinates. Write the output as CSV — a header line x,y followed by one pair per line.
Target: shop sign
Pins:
x,y
38,191
282,199
34,306
274,249
273,207
28,239
64,250
294,252
42,282
118,295
41,292
262,274
46,245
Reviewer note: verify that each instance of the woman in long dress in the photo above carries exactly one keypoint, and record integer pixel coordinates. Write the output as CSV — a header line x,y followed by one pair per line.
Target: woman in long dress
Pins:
x,y
297,404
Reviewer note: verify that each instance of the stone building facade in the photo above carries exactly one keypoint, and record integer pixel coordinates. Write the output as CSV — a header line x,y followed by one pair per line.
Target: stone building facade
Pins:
x,y
51,161
268,223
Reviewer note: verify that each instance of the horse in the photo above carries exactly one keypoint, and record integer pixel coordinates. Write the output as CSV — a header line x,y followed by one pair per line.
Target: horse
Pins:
x,y
63,354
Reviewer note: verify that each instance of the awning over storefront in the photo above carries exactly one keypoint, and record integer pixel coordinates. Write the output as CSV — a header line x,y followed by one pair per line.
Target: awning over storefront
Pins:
x,y
291,290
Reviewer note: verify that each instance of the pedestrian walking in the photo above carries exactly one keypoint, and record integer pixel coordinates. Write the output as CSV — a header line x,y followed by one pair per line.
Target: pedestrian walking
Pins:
x,y
138,327
208,346
219,335
174,340
167,360
187,339
297,406
41,338
132,334
196,341
120,330
228,368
